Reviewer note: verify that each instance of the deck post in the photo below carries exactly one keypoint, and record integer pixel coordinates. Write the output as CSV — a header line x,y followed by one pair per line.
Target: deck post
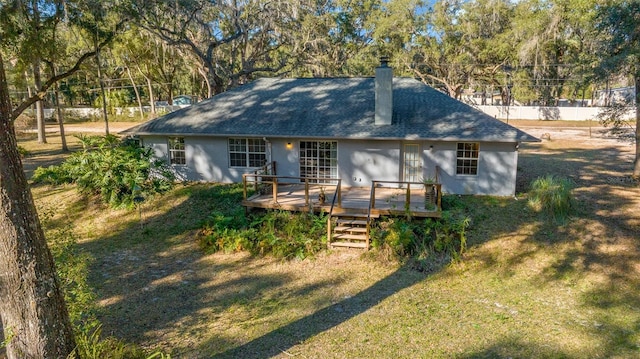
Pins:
x,y
339,194
244,187
275,189
306,192
329,232
373,194
407,201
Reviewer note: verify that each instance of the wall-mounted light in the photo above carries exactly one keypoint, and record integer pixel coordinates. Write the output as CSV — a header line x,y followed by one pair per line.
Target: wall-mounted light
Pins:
x,y
431,148
289,145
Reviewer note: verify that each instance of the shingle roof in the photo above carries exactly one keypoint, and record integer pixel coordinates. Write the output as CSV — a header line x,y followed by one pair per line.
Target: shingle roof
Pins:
x,y
332,108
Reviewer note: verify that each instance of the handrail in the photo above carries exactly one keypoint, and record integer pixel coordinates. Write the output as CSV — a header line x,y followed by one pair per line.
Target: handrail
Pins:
x,y
437,186
336,194
257,173
372,196
265,168
294,178
275,180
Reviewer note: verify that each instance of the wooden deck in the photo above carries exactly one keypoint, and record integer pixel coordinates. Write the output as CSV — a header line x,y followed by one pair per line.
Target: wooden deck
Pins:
x,y
387,199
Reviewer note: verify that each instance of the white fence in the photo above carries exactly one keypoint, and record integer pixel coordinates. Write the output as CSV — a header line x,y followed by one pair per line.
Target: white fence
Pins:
x,y
87,112
545,113
500,112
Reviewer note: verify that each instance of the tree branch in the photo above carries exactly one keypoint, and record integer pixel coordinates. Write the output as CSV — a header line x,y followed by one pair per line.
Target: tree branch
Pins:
x,y
42,91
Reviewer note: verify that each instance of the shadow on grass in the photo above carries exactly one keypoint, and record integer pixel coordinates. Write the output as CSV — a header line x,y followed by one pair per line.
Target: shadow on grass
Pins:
x,y
151,283
280,340
597,246
515,347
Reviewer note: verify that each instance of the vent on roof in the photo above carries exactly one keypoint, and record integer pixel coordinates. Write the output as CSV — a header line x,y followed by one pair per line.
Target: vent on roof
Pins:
x,y
384,92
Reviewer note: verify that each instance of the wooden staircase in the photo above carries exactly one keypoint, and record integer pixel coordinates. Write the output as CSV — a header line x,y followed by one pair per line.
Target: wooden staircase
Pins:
x,y
351,230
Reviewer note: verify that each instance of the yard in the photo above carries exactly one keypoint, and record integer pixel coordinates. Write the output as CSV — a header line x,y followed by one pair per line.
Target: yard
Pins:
x,y
525,288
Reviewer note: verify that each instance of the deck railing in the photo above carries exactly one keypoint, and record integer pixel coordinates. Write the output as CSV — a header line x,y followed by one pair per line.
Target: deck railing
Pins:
x,y
267,169
432,193
261,182
336,194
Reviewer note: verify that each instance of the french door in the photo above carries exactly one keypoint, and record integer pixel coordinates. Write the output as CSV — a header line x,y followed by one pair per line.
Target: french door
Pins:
x,y
412,168
319,159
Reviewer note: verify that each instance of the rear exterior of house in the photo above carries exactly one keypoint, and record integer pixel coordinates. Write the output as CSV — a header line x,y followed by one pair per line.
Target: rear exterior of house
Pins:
x,y
487,168
356,129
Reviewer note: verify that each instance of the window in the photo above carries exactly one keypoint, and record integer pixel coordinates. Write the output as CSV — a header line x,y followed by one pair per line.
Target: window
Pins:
x,y
319,159
467,158
247,152
176,151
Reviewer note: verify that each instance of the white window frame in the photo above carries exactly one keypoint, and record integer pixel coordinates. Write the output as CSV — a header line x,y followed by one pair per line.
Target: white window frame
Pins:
x,y
315,164
251,152
177,152
467,158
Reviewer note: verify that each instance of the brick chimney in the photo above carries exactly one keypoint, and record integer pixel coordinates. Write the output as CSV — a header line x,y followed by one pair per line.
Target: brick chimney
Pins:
x,y
384,92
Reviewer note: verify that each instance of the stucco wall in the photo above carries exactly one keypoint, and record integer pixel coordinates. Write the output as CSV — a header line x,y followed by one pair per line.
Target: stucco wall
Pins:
x,y
497,166
359,162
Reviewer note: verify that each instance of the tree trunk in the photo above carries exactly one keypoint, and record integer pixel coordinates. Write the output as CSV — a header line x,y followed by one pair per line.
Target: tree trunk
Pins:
x,y
60,117
135,89
207,82
42,137
33,307
636,165
104,97
152,100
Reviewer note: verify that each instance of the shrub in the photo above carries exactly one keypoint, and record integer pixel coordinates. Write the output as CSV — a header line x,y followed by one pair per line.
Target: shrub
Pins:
x,y
553,196
23,152
406,239
279,233
116,171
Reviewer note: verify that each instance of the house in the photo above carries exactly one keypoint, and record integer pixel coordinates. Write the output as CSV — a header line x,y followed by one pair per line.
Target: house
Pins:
x,y
356,129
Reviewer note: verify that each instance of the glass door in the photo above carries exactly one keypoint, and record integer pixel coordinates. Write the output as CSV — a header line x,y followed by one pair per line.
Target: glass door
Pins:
x,y
319,159
412,170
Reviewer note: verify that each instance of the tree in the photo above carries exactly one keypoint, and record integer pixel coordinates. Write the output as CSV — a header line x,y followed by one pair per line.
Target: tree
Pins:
x,y
620,41
33,307
231,41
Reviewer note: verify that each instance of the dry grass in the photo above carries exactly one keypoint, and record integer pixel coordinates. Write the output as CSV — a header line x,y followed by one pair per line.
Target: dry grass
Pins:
x,y
526,287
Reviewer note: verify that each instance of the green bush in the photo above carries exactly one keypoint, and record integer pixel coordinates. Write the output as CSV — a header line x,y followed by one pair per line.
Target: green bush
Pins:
x,y
279,233
23,151
116,171
406,239
553,196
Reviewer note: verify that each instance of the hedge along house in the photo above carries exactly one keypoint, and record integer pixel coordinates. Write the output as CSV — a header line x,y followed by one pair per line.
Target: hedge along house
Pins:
x,y
355,129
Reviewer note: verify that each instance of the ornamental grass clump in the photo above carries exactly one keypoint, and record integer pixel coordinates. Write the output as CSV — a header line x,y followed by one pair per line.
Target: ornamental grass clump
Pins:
x,y
553,196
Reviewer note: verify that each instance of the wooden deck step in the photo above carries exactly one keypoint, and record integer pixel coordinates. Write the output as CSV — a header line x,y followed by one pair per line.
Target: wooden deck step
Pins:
x,y
356,215
350,229
352,222
358,237
350,244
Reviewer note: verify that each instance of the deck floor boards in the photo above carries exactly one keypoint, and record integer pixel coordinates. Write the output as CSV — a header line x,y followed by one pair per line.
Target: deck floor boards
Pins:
x,y
354,199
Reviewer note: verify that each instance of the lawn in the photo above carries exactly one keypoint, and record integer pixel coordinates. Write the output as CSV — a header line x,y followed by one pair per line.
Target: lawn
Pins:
x,y
526,287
